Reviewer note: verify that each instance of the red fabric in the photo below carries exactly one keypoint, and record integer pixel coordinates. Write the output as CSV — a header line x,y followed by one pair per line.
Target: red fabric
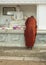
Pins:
x,y
30,31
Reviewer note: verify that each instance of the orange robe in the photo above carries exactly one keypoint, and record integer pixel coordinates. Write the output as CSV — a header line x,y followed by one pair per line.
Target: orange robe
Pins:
x,y
30,31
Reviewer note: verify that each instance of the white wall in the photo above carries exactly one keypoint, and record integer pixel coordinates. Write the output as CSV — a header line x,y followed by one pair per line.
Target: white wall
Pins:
x,y
41,16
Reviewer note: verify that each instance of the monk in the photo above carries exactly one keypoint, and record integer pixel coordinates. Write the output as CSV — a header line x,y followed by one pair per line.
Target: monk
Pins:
x,y
30,31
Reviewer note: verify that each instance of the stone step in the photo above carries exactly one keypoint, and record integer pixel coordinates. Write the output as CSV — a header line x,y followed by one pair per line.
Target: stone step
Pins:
x,y
35,53
21,58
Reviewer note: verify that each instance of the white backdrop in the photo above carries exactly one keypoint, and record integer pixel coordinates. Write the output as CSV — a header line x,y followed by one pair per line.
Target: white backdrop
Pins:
x,y
41,16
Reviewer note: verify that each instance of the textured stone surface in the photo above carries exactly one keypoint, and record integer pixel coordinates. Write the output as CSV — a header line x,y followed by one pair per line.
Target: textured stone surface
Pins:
x,y
23,54
11,62
14,39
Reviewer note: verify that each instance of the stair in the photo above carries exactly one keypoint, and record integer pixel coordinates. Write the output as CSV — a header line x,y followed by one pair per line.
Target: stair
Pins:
x,y
10,53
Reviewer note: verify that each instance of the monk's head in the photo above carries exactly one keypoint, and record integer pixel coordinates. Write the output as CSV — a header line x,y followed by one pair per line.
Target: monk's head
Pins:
x,y
32,16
